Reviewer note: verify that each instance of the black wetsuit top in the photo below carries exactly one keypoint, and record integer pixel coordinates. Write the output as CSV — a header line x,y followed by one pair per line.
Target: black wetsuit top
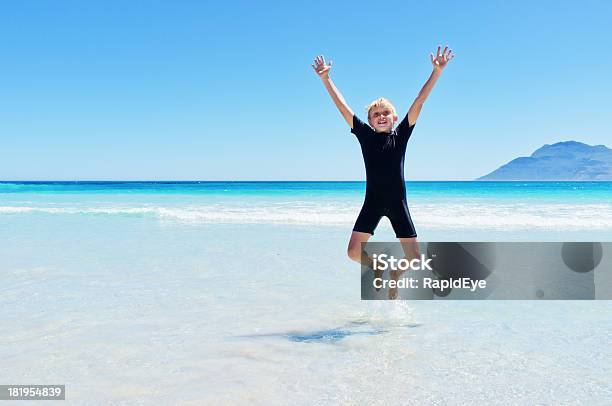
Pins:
x,y
383,155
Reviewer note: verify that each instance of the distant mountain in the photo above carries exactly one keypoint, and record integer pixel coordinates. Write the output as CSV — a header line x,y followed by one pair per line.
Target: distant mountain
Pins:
x,y
568,160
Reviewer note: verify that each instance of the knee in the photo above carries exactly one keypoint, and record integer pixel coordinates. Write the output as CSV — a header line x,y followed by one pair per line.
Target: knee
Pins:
x,y
354,252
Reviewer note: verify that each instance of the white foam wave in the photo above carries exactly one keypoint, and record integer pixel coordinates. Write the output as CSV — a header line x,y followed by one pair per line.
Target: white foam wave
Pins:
x,y
435,216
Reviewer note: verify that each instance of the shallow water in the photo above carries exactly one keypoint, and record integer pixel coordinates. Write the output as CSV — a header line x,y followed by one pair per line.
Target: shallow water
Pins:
x,y
134,307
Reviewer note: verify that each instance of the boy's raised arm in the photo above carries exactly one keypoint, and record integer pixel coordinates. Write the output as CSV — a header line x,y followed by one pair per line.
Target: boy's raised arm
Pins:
x,y
439,63
322,69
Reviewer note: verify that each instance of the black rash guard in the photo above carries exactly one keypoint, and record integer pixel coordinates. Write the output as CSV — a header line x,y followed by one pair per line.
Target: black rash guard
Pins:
x,y
383,155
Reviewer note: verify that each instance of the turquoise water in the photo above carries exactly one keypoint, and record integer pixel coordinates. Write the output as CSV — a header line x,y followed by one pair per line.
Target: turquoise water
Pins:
x,y
517,210
568,190
241,293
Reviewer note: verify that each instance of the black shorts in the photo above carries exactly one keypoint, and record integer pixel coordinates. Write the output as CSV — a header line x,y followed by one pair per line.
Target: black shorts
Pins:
x,y
397,212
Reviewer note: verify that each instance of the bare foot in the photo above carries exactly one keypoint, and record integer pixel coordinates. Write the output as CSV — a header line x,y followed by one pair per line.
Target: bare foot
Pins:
x,y
395,275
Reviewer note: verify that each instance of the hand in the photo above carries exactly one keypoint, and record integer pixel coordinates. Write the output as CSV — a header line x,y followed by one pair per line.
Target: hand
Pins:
x,y
441,59
320,67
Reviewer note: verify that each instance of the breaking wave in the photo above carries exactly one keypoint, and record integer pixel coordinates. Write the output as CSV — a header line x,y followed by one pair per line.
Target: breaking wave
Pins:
x,y
500,216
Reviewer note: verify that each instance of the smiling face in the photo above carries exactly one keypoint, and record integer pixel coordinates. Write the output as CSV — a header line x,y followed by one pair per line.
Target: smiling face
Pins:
x,y
382,118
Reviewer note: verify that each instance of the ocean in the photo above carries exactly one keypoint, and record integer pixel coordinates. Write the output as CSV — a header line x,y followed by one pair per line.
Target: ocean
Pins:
x,y
234,292
484,210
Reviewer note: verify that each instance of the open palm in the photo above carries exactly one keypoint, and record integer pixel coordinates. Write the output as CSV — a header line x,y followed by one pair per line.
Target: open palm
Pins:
x,y
442,58
320,66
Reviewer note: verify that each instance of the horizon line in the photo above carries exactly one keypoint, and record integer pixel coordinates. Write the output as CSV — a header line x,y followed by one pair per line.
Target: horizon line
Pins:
x,y
296,181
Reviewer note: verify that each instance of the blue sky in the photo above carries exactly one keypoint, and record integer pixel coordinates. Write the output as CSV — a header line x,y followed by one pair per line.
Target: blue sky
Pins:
x,y
152,90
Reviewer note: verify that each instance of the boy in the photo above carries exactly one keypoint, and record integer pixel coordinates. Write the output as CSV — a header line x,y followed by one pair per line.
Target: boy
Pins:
x,y
383,152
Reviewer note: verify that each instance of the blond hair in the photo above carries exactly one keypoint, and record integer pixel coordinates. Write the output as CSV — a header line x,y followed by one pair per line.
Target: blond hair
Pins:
x,y
381,102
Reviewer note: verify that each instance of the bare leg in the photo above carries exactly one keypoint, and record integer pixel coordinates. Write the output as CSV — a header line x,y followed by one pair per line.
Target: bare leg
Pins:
x,y
411,251
411,247
355,251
